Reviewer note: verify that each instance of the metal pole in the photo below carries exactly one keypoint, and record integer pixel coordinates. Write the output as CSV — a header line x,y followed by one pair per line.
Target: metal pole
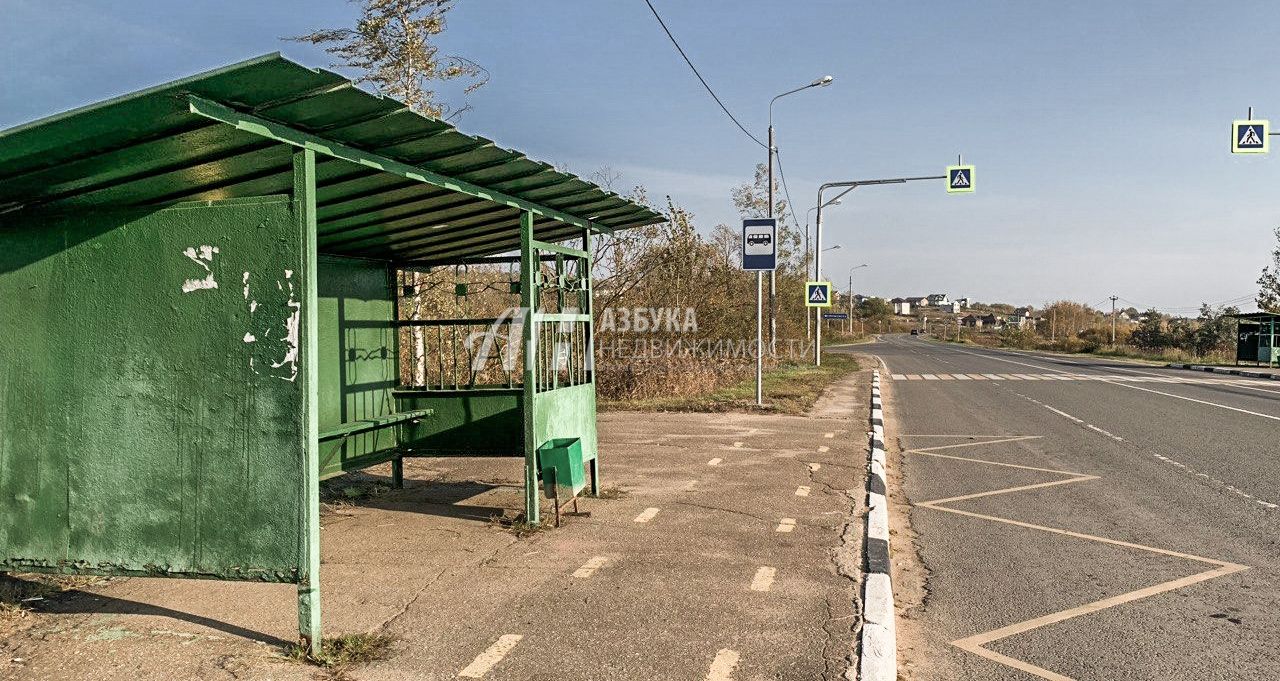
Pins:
x,y
759,339
808,326
773,274
817,276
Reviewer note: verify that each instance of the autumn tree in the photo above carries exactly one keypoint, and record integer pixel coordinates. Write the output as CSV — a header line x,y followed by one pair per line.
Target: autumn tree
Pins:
x,y
393,45
1269,282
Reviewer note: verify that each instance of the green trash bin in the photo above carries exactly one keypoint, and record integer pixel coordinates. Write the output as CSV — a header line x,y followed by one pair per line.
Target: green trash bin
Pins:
x,y
560,462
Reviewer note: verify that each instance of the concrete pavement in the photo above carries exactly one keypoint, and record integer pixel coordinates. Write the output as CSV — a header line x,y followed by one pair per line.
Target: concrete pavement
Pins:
x,y
731,553
1084,518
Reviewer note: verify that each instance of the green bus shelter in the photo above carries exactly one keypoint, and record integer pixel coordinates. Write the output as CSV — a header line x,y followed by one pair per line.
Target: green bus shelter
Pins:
x,y
198,290
1256,335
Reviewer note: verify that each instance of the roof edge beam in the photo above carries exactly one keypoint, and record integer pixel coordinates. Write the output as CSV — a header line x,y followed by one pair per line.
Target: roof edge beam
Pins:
x,y
283,133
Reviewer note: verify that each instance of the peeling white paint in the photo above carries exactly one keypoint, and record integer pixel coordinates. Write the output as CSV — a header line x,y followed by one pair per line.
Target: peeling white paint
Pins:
x,y
292,326
202,256
246,285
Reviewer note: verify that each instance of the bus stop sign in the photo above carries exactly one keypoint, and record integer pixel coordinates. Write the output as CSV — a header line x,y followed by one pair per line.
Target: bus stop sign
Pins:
x,y
760,244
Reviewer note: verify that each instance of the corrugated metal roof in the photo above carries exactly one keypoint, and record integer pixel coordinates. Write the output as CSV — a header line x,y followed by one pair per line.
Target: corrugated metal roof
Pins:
x,y
150,147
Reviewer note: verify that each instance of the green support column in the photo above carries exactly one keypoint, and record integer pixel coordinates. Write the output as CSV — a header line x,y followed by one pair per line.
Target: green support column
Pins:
x,y
304,194
590,359
530,294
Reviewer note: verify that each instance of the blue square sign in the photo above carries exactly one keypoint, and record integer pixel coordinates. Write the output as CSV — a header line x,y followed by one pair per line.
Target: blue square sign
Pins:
x,y
760,244
1250,137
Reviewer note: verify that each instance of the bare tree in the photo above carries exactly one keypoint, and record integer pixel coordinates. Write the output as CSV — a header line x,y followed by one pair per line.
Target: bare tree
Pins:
x,y
1269,283
393,45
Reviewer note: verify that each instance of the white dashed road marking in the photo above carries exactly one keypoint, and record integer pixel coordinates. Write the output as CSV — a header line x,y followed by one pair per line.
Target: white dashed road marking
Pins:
x,y
814,467
588,568
646,515
715,462
829,435
491,657
722,667
786,525
802,491
763,579
824,449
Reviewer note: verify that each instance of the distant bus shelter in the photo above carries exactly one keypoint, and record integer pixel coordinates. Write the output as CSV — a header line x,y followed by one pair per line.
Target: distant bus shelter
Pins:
x,y
198,291
1256,338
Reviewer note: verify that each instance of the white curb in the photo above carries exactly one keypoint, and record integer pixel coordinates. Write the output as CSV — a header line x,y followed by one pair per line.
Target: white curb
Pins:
x,y
879,656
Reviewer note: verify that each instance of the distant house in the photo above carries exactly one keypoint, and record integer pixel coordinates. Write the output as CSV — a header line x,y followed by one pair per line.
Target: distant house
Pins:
x,y
1021,318
972,321
991,321
919,301
963,303
901,306
954,307
938,299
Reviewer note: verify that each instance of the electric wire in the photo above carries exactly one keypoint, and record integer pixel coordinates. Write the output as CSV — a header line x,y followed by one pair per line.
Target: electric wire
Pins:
x,y
700,78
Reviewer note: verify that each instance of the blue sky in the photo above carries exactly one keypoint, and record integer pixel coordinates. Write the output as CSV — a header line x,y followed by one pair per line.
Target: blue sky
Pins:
x,y
1100,130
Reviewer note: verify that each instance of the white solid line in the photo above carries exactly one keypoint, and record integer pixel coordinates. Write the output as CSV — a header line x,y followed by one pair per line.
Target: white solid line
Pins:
x,y
588,568
802,491
763,579
1192,399
491,657
722,667
646,515
715,462
786,525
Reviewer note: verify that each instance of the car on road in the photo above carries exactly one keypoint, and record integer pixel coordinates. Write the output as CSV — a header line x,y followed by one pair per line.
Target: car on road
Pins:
x,y
915,332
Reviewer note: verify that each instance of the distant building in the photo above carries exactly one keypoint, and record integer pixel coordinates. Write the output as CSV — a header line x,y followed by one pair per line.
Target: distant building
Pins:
x,y
992,321
953,306
918,301
901,306
972,321
963,302
938,299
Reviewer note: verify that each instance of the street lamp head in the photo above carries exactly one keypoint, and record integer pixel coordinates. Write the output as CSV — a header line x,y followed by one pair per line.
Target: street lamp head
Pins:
x,y
822,82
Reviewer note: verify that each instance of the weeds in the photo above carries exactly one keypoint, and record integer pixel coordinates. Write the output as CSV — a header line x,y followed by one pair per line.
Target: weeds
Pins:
x,y
343,653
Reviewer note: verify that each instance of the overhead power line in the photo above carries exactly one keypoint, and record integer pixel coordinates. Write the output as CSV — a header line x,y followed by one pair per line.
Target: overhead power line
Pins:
x,y
700,78
791,207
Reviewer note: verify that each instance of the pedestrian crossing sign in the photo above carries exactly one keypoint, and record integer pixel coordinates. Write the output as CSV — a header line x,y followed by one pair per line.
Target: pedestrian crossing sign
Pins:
x,y
1250,137
959,179
817,294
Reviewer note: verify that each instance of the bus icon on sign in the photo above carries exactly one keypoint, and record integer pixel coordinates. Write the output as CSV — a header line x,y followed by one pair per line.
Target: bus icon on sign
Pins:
x,y
759,239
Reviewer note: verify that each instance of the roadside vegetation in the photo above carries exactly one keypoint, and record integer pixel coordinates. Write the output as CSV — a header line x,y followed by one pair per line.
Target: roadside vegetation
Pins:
x,y
1070,327
341,654
789,389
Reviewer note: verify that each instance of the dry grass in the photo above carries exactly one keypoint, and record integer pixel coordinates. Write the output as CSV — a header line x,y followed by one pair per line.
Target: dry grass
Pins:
x,y
343,653
19,593
788,389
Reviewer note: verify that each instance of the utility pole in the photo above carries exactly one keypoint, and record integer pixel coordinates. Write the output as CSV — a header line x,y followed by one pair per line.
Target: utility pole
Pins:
x,y
1113,320
773,275
1053,326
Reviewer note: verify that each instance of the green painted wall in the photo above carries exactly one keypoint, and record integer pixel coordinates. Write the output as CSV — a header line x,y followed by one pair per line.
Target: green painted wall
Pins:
x,y
150,391
358,365
567,413
476,422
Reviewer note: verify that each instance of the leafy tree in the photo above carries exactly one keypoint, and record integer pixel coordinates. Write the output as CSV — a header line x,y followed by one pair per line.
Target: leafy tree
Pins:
x,y
1216,332
1269,283
1150,334
393,45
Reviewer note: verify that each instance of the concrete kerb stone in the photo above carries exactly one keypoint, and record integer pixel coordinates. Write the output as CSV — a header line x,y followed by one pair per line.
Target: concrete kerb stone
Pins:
x,y
1225,370
879,658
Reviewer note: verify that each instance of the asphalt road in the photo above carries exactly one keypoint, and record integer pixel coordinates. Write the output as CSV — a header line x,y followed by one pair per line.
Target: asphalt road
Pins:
x,y
1084,518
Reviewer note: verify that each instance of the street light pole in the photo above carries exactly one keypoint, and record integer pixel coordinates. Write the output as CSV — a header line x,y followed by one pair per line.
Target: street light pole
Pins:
x,y
851,269
817,236
773,276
